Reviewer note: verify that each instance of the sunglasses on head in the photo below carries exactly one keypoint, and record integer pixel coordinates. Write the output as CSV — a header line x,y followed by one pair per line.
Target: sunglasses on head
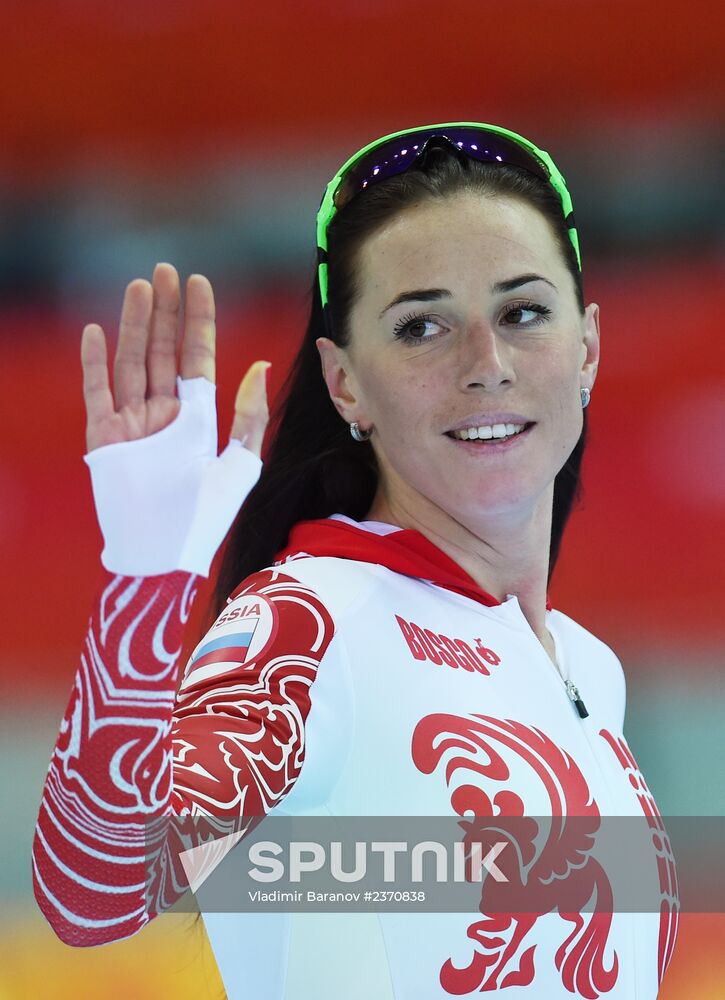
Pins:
x,y
393,154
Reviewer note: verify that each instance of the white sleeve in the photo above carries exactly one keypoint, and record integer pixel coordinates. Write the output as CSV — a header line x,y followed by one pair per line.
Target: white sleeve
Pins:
x,y
165,502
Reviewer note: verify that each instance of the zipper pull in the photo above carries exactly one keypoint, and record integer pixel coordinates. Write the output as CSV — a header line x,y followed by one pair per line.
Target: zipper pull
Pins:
x,y
573,693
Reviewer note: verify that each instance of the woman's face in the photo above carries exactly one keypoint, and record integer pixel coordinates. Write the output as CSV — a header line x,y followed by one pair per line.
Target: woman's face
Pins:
x,y
463,350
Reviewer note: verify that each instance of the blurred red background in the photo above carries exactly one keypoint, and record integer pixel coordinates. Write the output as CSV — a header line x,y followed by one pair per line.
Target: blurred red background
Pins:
x,y
122,125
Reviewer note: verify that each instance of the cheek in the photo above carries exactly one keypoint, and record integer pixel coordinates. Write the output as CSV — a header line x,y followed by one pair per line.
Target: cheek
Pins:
x,y
401,404
566,413
557,379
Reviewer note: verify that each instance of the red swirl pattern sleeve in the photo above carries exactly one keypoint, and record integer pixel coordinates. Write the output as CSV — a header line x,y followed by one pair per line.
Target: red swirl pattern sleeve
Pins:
x,y
132,753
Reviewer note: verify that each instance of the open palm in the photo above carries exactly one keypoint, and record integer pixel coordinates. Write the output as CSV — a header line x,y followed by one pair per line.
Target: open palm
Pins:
x,y
145,366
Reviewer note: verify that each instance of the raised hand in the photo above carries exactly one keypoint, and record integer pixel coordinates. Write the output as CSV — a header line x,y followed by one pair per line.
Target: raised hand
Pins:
x,y
145,366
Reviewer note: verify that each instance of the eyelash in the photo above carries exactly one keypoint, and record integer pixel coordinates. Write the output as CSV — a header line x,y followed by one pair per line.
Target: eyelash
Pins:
x,y
405,322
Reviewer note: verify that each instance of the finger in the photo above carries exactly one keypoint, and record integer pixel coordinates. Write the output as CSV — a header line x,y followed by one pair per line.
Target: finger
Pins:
x,y
96,389
161,351
129,368
251,410
198,353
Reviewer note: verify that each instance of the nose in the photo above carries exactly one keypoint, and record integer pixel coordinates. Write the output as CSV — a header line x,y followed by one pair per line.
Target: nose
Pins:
x,y
485,359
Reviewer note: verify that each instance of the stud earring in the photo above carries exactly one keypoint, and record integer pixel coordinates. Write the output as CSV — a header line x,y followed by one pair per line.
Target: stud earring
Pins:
x,y
585,396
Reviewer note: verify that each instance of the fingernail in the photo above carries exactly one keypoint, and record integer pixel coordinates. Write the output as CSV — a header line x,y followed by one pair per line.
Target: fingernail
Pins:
x,y
266,376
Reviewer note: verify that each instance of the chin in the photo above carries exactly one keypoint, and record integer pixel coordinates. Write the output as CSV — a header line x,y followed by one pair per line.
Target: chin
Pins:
x,y
496,496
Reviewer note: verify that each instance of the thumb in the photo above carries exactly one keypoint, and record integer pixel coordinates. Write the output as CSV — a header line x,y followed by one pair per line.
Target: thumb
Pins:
x,y
251,412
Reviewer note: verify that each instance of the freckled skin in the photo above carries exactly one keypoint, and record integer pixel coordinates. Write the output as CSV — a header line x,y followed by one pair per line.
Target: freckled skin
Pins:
x,y
472,357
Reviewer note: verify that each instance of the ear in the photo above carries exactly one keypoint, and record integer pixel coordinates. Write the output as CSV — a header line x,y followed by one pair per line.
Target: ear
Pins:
x,y
337,373
590,345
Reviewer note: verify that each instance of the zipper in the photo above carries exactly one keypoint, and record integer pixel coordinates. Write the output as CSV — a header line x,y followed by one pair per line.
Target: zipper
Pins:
x,y
571,689
613,791
573,692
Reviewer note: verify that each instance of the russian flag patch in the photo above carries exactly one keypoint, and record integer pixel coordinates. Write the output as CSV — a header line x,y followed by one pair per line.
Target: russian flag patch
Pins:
x,y
242,632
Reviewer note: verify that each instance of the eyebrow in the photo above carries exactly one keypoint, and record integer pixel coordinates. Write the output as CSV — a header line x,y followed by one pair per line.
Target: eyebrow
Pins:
x,y
432,294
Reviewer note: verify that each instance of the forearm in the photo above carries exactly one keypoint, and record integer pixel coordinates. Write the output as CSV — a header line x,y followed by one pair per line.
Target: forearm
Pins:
x,y
111,772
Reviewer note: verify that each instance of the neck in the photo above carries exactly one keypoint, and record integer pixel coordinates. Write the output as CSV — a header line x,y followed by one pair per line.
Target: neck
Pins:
x,y
504,552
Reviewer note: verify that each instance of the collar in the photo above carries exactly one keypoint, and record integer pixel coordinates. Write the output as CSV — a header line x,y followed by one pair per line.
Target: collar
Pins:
x,y
405,551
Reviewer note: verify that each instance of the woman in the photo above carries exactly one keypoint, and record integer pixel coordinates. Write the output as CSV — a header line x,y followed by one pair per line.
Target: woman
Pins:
x,y
391,649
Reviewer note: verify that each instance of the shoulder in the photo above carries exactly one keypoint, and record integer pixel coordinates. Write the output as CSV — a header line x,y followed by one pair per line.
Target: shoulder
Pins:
x,y
291,609
341,584
581,635
272,623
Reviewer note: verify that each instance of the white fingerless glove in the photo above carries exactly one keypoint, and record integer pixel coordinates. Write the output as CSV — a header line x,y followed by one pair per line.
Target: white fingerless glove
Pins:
x,y
165,502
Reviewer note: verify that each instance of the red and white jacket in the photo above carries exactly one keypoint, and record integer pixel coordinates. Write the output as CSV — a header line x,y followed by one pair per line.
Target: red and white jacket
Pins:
x,y
367,674
364,674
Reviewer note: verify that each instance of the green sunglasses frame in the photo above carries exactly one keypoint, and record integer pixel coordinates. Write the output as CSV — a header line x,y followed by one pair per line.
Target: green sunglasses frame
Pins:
x,y
328,208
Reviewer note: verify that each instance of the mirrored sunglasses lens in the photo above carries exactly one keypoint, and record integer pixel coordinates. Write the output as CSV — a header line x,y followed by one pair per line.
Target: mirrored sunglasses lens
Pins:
x,y
379,164
397,155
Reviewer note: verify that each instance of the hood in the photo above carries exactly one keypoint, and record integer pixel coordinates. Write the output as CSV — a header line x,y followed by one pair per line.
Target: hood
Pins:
x,y
402,550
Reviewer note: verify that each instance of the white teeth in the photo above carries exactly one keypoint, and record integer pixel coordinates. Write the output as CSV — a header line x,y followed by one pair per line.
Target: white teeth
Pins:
x,y
494,431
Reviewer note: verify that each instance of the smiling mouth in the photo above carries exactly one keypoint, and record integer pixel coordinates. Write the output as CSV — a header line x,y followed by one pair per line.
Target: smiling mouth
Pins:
x,y
498,434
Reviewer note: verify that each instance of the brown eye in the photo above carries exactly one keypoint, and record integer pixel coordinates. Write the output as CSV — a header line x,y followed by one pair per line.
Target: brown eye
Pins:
x,y
522,307
406,329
